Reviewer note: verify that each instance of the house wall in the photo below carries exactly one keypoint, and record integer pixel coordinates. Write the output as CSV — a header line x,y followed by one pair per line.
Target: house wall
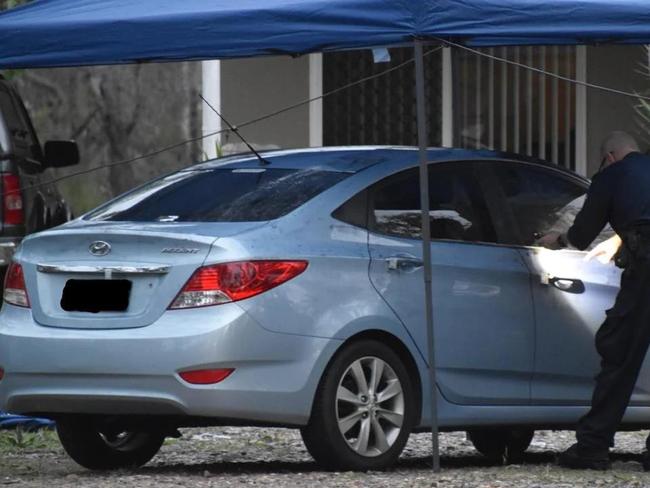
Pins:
x,y
616,67
254,87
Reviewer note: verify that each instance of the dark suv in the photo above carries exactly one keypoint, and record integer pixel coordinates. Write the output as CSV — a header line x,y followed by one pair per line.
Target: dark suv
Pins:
x,y
27,203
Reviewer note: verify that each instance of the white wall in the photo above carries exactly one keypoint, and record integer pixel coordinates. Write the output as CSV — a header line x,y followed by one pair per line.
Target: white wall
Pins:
x,y
211,122
254,87
615,67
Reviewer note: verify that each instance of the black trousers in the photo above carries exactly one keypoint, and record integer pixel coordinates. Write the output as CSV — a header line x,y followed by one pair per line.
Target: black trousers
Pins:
x,y
622,342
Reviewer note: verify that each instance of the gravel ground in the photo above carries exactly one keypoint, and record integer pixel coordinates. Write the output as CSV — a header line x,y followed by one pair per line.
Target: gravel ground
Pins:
x,y
223,457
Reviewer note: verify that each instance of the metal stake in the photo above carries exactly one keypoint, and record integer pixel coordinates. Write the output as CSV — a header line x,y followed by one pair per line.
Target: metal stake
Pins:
x,y
426,243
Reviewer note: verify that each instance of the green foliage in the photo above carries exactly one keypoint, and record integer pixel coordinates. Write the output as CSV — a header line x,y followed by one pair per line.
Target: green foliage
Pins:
x,y
82,193
10,73
642,107
18,440
218,149
7,4
643,112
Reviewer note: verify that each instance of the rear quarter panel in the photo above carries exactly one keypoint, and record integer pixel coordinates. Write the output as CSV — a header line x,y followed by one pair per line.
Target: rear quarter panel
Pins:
x,y
334,293
333,298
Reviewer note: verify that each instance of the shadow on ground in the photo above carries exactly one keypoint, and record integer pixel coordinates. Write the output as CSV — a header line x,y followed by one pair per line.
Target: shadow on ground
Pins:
x,y
410,463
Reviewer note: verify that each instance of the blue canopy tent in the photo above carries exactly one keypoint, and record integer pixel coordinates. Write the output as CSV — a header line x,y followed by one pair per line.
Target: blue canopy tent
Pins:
x,y
82,32
49,33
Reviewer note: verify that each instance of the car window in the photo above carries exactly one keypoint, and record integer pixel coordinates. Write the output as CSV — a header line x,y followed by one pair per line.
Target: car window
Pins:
x,y
539,200
354,211
457,207
21,135
395,205
219,195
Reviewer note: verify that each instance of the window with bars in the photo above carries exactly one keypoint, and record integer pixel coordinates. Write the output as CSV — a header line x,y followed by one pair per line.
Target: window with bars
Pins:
x,y
381,110
502,106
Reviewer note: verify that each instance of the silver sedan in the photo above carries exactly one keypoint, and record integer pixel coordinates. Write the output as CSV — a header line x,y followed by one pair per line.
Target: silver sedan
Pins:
x,y
289,292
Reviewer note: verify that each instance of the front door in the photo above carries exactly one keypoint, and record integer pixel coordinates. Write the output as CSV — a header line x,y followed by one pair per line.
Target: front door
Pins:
x,y
570,293
571,296
483,318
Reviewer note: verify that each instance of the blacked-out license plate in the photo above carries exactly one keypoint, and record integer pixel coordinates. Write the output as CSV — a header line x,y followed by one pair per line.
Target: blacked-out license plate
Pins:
x,y
96,295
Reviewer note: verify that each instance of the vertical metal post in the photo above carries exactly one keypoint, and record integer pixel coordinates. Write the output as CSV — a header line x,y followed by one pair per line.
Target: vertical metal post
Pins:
x,y
478,119
316,107
447,99
555,122
568,109
516,103
211,88
504,100
529,104
491,99
463,59
420,100
581,112
542,103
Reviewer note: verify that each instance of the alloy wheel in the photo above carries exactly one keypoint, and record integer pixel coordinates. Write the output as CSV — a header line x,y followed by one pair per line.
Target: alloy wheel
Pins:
x,y
370,406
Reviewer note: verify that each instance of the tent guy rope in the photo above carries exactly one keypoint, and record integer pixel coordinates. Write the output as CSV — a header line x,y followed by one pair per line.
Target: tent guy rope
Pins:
x,y
307,101
222,131
545,72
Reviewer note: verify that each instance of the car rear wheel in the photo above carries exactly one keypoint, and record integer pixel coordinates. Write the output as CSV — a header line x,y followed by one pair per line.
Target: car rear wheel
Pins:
x,y
101,448
501,444
364,409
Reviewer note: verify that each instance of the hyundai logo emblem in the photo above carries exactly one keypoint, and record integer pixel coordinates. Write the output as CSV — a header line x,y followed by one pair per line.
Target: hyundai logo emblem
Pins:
x,y
99,248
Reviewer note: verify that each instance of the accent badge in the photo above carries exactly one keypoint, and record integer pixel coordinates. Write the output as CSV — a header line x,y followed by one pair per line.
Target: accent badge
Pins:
x,y
99,248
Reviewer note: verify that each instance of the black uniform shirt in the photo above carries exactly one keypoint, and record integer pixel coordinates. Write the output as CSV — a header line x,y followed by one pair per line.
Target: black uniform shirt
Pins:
x,y
619,194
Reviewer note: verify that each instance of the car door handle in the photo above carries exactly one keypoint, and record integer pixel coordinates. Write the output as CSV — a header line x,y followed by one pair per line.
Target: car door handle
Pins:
x,y
404,263
568,285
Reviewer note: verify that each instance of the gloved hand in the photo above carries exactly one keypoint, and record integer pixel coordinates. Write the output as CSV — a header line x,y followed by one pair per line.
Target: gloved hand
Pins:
x,y
605,251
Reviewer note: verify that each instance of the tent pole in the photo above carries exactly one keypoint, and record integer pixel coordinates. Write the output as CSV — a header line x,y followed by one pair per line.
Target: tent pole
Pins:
x,y
420,101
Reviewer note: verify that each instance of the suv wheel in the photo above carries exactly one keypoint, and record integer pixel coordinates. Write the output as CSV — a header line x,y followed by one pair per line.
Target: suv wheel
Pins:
x,y
364,409
99,448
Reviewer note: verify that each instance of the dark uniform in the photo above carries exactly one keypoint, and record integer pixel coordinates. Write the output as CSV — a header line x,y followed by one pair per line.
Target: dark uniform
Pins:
x,y
620,195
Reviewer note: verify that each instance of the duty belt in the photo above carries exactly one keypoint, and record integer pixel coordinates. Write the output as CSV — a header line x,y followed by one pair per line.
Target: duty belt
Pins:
x,y
636,245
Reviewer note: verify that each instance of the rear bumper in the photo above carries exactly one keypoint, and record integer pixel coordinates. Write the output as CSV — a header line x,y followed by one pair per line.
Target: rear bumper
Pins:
x,y
135,371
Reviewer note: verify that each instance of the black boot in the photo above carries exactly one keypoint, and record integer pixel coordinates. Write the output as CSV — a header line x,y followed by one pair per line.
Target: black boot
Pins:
x,y
577,458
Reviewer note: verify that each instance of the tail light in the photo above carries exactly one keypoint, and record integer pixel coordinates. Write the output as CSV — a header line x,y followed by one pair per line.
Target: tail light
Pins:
x,y
12,200
206,376
15,291
230,282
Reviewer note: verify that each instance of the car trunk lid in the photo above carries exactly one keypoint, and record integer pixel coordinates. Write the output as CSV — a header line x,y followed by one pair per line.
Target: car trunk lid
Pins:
x,y
114,275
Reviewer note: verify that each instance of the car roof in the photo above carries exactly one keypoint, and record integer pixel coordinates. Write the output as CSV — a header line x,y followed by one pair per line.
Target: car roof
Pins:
x,y
352,159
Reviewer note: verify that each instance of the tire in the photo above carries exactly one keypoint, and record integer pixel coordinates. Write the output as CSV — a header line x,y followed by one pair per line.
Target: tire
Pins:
x,y
350,429
501,444
101,449
517,442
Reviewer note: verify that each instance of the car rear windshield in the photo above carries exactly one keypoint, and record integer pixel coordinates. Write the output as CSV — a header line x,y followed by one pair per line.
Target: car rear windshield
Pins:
x,y
219,195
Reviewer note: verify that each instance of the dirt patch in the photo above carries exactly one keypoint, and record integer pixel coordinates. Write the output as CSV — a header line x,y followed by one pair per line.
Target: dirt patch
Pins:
x,y
276,457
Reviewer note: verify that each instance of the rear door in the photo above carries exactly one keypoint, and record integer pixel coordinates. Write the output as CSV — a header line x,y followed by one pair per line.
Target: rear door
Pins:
x,y
570,294
483,317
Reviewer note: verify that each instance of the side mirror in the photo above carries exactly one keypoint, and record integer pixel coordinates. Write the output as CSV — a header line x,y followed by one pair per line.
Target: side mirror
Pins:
x,y
59,154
